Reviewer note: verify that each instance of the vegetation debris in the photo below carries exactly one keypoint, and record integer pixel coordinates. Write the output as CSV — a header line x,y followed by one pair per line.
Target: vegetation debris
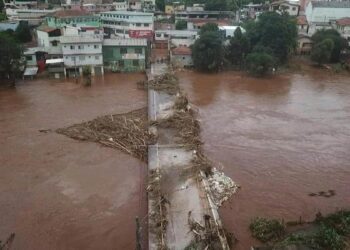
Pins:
x,y
127,132
167,83
267,230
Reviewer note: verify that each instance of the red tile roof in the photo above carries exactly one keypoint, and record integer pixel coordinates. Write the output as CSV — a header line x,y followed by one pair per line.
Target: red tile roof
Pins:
x,y
301,20
344,21
46,29
182,51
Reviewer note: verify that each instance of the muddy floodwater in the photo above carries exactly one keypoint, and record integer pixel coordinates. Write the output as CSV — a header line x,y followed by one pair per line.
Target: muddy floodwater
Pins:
x,y
58,193
280,139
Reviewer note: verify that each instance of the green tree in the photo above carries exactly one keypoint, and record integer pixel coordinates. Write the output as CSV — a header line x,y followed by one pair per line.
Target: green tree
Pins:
x,y
216,5
208,52
339,43
276,31
209,27
160,4
238,48
2,6
23,33
10,56
181,25
322,52
259,63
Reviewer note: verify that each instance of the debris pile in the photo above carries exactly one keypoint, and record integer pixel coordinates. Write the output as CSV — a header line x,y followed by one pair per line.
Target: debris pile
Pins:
x,y
207,236
167,83
127,132
158,202
222,186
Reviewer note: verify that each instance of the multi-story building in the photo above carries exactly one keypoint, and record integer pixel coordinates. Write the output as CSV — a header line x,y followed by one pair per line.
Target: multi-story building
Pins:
x,y
128,24
76,18
82,50
320,14
125,54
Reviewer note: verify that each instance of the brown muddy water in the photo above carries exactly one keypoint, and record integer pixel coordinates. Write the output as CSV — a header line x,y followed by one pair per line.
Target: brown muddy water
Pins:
x,y
280,139
58,193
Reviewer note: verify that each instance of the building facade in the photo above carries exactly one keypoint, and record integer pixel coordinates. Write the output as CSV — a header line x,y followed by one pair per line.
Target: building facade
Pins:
x,y
80,51
64,18
125,55
128,24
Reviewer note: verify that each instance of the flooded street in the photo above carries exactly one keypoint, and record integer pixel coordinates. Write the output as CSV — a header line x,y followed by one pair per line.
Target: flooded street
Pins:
x,y
280,139
59,193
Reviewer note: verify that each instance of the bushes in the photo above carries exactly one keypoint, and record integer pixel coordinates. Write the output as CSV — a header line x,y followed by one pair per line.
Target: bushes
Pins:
x,y
259,63
321,52
267,230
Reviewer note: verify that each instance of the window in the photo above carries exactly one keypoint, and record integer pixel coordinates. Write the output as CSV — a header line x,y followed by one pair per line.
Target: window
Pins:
x,y
138,24
67,57
80,47
97,57
28,58
121,63
81,58
146,24
72,47
138,50
95,46
135,62
54,43
123,50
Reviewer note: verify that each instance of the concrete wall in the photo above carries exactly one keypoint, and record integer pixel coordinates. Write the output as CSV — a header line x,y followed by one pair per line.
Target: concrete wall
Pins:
x,y
181,60
325,14
92,21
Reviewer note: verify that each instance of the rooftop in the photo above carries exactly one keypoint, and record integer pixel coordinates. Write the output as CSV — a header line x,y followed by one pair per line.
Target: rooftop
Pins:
x,y
286,2
326,4
81,39
70,13
46,28
344,21
125,42
128,13
301,20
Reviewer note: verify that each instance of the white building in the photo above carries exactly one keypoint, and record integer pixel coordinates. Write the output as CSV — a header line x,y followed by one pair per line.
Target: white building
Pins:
x,y
177,38
49,40
291,7
128,24
320,14
82,50
118,6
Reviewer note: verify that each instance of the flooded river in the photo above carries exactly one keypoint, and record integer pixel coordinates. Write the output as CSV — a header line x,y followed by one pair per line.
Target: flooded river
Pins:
x,y
280,139
58,193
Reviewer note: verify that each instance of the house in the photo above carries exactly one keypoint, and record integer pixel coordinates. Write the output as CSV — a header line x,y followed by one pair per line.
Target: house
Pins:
x,y
175,37
229,31
134,5
320,14
197,23
76,18
188,15
80,51
128,24
55,67
49,39
181,57
343,27
304,44
302,25
118,6
9,25
171,8
125,54
292,8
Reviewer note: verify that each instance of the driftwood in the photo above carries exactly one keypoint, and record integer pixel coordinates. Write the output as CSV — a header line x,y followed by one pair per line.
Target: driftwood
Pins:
x,y
127,132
